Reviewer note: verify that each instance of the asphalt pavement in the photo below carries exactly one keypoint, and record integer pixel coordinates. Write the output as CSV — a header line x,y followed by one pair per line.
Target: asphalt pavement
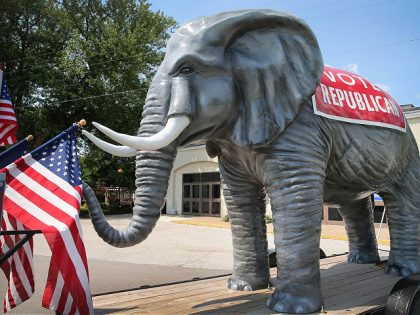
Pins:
x,y
173,252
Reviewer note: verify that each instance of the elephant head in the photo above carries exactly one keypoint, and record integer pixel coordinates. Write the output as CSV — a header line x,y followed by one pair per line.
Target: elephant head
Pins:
x,y
238,76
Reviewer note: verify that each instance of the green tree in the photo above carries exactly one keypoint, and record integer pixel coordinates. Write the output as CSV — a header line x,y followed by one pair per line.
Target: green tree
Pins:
x,y
72,59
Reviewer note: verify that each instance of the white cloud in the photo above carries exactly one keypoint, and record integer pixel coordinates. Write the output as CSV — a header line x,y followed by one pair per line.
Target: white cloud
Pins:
x,y
384,87
352,67
418,95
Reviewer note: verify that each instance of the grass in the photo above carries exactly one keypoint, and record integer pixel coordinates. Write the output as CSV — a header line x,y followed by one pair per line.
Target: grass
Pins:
x,y
268,219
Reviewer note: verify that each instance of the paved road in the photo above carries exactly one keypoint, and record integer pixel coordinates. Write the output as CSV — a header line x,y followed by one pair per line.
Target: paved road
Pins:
x,y
173,252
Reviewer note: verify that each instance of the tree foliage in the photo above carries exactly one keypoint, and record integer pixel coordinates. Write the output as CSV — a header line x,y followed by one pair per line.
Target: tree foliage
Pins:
x,y
72,59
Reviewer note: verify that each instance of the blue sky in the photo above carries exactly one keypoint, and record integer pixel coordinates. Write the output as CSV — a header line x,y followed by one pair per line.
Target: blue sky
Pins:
x,y
380,40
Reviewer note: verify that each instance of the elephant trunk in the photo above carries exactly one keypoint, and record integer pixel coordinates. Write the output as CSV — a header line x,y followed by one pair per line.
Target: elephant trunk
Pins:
x,y
153,169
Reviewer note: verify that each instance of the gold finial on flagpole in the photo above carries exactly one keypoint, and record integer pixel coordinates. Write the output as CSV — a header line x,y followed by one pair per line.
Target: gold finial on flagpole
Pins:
x,y
81,123
29,138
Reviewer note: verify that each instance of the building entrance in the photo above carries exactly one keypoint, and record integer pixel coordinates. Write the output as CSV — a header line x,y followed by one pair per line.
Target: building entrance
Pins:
x,y
201,194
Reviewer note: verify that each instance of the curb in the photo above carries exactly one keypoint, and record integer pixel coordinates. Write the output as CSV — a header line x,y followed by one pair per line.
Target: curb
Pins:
x,y
226,226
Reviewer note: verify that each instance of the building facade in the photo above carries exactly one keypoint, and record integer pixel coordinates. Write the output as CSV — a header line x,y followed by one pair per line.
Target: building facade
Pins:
x,y
195,188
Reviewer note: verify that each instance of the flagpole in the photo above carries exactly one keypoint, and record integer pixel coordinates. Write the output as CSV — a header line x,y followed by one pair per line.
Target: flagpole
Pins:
x,y
2,187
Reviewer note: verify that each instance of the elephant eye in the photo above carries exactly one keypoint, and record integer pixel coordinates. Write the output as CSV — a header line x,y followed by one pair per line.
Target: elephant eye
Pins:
x,y
186,70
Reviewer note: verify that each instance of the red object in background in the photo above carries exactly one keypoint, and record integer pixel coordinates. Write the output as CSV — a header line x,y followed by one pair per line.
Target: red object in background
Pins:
x,y
345,96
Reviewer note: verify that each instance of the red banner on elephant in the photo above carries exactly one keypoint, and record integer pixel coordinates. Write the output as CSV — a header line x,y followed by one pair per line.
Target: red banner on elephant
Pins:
x,y
344,96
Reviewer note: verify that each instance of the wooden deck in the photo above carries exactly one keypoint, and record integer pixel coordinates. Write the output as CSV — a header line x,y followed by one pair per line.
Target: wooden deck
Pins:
x,y
347,288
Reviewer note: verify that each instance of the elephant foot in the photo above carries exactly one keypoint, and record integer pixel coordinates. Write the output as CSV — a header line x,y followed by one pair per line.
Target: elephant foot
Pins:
x,y
363,256
303,301
403,267
251,285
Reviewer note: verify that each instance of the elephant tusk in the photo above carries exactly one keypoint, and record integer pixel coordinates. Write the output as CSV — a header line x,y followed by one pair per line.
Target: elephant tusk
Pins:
x,y
116,150
169,133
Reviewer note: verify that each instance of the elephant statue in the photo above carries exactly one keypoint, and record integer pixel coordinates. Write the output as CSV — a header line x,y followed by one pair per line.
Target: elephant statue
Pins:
x,y
242,83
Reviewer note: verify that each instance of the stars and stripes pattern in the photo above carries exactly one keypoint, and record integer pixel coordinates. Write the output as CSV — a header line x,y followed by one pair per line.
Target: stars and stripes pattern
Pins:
x,y
18,269
8,122
44,192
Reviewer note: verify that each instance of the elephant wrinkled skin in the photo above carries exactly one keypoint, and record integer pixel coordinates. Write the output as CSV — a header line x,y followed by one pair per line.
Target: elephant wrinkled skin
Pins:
x,y
242,83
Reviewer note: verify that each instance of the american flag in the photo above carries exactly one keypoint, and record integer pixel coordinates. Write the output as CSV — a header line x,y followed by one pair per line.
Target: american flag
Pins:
x,y
43,192
18,269
8,123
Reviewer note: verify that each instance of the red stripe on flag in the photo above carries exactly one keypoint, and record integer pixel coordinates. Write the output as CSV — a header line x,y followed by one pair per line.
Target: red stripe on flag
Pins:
x,y
8,118
7,133
62,302
12,303
51,186
5,105
5,113
20,288
24,258
73,309
53,275
51,285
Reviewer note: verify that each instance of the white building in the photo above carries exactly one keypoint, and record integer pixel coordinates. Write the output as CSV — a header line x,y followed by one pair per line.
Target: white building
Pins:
x,y
194,186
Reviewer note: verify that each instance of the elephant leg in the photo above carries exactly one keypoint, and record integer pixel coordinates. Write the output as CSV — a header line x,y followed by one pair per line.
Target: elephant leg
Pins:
x,y
403,214
358,220
296,203
245,202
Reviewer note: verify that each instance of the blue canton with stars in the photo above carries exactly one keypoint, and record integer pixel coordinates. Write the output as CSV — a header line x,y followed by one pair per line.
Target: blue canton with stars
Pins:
x,y
4,93
60,157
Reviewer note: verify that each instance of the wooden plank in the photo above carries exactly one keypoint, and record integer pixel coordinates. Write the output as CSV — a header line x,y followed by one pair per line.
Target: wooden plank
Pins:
x,y
156,291
347,288
355,277
345,267
175,297
332,260
370,306
363,292
210,301
162,295
219,301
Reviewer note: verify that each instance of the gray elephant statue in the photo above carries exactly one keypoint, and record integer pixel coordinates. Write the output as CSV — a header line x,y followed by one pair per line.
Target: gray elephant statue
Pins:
x,y
242,83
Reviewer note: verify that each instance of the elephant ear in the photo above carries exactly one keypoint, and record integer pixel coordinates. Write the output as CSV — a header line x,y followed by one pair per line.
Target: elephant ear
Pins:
x,y
277,65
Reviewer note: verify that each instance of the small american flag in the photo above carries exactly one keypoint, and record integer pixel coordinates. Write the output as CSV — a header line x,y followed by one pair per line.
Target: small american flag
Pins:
x,y
18,269
44,192
8,123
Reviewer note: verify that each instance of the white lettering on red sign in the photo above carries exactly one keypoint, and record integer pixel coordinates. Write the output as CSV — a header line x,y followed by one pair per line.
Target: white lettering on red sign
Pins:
x,y
345,96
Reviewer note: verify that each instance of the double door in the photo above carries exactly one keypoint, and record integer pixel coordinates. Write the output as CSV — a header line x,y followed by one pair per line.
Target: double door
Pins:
x,y
201,194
